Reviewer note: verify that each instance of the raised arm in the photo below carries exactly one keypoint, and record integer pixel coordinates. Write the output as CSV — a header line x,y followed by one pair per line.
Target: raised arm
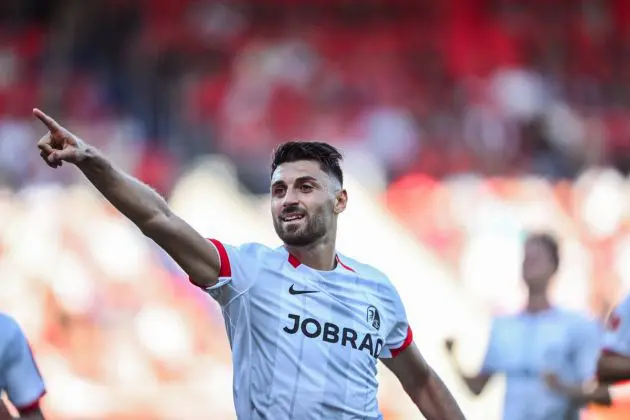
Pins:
x,y
423,385
137,201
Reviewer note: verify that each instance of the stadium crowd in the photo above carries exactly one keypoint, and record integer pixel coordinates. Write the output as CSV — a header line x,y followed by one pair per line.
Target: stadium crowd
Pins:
x,y
405,82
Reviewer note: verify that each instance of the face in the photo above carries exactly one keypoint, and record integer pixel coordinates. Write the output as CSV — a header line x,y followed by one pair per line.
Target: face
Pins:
x,y
538,264
305,202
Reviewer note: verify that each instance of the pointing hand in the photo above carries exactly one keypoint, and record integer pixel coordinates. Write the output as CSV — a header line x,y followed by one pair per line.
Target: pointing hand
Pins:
x,y
59,144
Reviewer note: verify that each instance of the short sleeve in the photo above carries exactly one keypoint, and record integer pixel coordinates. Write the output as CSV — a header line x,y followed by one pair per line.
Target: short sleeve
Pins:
x,y
23,381
617,334
400,335
239,270
492,360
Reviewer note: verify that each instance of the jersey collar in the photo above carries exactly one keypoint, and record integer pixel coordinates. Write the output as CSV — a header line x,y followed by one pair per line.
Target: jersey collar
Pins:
x,y
293,260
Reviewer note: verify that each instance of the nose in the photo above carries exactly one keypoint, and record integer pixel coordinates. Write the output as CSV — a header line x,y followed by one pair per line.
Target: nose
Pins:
x,y
290,199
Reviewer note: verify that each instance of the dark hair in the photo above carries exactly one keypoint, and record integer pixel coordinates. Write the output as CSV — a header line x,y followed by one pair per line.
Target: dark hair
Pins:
x,y
550,242
328,157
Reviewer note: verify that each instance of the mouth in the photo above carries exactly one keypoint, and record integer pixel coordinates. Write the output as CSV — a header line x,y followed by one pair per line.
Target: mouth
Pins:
x,y
293,217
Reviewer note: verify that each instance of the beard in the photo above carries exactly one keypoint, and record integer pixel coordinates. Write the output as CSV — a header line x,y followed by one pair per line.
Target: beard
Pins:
x,y
301,234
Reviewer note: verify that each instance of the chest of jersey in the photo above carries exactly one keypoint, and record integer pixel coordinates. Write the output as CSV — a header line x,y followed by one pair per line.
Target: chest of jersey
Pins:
x,y
529,346
305,343
335,314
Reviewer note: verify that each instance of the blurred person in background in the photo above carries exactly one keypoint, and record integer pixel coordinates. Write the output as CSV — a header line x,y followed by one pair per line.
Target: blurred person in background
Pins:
x,y
548,354
306,366
613,367
19,375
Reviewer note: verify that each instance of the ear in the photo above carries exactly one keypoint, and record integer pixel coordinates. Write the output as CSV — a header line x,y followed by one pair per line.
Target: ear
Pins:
x,y
341,201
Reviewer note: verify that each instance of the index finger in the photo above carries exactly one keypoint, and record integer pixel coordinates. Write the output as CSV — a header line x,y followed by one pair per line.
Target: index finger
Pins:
x,y
48,121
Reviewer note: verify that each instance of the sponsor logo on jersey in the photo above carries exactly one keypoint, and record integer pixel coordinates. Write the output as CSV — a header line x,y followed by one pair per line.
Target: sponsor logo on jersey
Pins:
x,y
334,334
292,291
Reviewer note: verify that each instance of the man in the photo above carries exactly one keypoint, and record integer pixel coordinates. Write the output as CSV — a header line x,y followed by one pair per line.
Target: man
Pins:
x,y
19,376
613,367
306,325
547,354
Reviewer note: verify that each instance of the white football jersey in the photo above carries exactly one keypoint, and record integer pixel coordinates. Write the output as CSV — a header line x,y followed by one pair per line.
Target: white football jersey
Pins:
x,y
19,376
617,336
305,343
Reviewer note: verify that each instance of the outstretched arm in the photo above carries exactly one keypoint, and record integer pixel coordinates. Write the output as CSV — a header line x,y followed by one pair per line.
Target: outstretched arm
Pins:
x,y
423,385
150,212
137,201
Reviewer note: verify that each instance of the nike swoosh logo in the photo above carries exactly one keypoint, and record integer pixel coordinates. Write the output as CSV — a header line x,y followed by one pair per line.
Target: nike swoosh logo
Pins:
x,y
301,292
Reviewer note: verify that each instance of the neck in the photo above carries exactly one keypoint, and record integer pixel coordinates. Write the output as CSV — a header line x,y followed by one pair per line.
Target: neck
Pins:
x,y
319,255
537,302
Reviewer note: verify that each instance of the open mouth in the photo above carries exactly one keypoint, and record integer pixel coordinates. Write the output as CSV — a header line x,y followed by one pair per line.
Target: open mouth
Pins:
x,y
292,217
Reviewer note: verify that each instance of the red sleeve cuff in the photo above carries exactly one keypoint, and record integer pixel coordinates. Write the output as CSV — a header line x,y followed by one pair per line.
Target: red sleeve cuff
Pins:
x,y
31,407
226,269
405,344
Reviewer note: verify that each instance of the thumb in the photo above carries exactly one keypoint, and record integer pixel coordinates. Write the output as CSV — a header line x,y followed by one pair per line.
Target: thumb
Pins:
x,y
67,154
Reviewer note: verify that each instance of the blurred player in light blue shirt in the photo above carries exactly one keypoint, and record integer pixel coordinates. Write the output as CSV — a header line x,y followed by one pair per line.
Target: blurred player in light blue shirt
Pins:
x,y
543,351
19,375
613,367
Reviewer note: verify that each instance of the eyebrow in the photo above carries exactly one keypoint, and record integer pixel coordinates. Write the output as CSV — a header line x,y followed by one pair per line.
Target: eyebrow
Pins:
x,y
302,179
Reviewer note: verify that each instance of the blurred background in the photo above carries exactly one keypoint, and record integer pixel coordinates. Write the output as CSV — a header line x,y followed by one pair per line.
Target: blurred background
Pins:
x,y
464,123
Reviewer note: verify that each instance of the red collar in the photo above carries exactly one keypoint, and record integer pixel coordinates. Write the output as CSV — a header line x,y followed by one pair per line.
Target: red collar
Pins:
x,y
296,263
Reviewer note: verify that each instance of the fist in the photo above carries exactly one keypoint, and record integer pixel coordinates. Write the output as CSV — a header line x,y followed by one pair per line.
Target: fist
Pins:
x,y
59,144
449,345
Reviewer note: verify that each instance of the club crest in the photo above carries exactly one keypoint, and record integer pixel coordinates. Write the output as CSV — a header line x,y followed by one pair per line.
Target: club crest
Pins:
x,y
373,317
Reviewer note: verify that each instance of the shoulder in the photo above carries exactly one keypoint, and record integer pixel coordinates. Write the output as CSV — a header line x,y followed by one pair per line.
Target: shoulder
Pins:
x,y
504,320
619,315
8,327
254,256
364,270
623,306
10,334
254,248
373,278
578,321
577,316
249,249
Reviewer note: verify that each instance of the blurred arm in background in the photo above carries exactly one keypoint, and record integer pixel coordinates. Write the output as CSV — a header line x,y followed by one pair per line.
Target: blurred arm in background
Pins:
x,y
4,411
475,384
423,385
136,200
33,414
613,367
